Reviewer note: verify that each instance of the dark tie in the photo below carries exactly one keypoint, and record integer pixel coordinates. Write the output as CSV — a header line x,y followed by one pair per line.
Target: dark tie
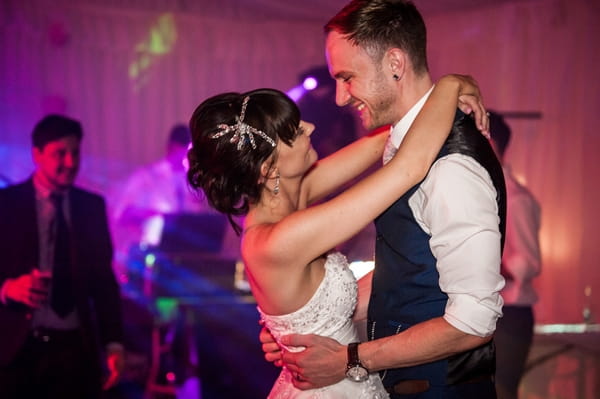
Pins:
x,y
61,299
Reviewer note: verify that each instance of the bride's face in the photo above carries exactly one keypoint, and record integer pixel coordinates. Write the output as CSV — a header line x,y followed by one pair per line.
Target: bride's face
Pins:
x,y
297,159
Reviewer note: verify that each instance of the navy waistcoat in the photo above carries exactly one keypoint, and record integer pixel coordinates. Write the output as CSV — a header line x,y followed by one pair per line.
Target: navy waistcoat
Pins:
x,y
405,287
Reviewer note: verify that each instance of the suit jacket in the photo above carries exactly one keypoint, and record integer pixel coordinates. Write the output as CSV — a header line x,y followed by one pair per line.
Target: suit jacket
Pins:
x,y
97,293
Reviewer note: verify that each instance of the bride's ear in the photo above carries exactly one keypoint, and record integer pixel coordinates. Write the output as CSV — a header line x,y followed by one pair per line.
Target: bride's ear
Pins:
x,y
267,171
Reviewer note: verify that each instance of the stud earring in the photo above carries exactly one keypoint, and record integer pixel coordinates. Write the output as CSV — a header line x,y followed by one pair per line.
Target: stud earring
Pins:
x,y
276,187
396,77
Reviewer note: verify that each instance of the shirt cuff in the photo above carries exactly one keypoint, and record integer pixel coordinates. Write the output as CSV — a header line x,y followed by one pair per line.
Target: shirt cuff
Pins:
x,y
471,316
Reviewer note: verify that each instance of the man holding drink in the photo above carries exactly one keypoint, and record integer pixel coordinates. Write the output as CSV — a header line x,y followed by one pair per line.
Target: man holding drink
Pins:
x,y
58,293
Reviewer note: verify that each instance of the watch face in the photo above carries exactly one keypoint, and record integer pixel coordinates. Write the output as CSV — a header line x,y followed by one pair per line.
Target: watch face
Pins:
x,y
357,374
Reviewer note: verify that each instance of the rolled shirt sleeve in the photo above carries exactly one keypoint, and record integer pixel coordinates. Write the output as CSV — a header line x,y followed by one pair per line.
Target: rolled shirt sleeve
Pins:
x,y
456,205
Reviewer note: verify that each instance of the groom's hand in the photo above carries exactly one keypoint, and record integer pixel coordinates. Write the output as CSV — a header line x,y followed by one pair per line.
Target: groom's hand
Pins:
x,y
322,363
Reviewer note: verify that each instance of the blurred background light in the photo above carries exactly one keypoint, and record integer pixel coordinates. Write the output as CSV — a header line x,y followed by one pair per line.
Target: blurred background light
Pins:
x,y
310,83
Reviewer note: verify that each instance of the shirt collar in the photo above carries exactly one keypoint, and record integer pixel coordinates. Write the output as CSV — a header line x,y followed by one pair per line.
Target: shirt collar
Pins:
x,y
42,192
400,129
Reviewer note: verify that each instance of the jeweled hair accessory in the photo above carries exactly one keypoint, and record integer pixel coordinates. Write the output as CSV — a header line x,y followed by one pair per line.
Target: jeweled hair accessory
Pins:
x,y
242,132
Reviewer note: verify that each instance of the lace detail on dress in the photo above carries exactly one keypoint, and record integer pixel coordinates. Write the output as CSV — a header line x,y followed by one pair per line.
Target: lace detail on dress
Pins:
x,y
330,307
327,313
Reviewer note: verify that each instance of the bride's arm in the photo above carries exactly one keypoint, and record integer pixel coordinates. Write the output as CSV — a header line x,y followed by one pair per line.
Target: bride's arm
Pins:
x,y
304,235
333,172
341,167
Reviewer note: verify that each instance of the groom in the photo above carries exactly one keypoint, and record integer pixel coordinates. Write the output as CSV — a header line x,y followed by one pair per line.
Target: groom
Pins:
x,y
435,288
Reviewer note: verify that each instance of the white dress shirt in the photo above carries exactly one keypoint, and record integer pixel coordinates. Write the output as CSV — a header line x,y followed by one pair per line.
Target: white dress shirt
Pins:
x,y
157,188
46,212
456,205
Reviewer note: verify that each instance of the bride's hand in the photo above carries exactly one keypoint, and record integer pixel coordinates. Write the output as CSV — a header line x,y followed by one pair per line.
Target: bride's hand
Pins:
x,y
270,347
471,101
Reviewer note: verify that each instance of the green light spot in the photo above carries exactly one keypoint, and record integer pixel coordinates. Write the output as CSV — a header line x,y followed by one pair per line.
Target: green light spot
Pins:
x,y
150,260
159,42
167,308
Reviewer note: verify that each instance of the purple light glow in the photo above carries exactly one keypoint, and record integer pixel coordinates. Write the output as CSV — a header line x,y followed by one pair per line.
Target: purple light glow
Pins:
x,y
296,93
310,83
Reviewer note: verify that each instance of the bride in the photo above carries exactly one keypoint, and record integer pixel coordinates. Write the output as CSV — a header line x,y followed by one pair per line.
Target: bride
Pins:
x,y
252,156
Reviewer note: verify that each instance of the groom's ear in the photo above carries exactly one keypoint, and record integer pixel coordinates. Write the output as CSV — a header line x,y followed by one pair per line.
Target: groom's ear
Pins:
x,y
395,59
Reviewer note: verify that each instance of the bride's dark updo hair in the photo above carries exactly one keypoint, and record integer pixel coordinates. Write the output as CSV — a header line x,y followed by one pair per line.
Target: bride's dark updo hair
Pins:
x,y
230,177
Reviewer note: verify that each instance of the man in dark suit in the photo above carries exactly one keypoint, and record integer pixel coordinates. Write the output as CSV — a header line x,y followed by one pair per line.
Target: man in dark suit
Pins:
x,y
58,293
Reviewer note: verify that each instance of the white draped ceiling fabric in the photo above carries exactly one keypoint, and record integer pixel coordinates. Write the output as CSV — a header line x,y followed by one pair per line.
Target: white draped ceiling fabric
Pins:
x,y
130,69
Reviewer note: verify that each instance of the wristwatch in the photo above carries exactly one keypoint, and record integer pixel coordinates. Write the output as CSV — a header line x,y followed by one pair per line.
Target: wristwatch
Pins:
x,y
355,371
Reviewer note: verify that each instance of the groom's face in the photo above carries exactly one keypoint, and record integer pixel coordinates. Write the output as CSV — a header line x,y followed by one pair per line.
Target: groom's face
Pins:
x,y
361,82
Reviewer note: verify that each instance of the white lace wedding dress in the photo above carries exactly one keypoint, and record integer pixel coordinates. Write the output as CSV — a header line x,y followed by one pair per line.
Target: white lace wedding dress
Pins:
x,y
327,313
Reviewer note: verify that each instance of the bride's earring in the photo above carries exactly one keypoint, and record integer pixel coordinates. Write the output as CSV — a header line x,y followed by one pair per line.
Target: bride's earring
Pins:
x,y
276,187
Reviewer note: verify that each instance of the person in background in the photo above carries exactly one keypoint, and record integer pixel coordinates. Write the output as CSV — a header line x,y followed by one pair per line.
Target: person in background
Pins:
x,y
154,190
139,209
521,263
58,293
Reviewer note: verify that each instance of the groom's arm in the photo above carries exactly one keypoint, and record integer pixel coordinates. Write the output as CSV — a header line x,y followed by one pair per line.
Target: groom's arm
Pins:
x,y
324,360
